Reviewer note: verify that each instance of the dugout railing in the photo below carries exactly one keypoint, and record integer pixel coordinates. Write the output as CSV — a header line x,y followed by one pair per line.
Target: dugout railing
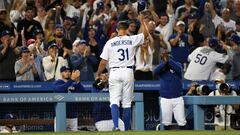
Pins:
x,y
60,101
199,102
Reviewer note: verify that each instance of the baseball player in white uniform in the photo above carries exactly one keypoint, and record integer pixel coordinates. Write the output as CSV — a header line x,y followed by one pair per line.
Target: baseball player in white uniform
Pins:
x,y
203,60
119,53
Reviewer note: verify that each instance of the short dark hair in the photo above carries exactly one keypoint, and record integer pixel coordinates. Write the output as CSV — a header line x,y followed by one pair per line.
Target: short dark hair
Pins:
x,y
163,14
122,25
29,8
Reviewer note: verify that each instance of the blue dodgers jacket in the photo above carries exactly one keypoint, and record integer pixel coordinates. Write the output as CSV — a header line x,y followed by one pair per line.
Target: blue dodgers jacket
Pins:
x,y
101,110
59,86
170,78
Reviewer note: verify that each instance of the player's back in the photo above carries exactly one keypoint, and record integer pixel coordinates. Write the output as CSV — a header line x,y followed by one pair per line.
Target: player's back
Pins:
x,y
120,50
202,61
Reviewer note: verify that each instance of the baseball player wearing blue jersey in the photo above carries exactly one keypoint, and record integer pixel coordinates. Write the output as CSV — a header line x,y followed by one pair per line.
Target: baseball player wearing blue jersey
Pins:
x,y
119,53
170,73
70,83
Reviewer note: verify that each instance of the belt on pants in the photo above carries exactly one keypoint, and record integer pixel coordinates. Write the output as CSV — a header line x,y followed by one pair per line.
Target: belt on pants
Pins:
x,y
131,67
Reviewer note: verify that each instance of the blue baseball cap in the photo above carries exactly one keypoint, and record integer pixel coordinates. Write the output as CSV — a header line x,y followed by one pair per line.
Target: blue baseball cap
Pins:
x,y
52,45
5,32
235,38
64,68
141,5
24,50
100,5
213,42
81,42
37,31
67,18
121,2
58,26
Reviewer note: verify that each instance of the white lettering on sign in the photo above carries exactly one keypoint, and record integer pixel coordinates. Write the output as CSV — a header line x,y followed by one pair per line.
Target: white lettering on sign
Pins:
x,y
27,99
91,99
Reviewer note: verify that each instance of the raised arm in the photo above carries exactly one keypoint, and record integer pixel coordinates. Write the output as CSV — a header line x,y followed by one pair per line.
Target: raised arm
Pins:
x,y
211,7
143,27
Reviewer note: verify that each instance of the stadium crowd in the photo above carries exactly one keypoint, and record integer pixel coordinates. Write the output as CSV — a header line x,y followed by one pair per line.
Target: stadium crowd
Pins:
x,y
39,37
78,30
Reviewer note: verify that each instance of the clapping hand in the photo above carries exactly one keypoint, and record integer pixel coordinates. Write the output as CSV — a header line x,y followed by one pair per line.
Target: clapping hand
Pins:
x,y
165,56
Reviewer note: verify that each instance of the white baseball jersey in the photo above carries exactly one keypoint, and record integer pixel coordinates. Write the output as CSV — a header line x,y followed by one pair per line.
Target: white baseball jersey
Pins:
x,y
202,62
120,51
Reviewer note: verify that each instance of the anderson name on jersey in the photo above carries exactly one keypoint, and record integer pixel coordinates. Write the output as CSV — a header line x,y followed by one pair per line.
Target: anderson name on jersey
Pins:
x,y
122,50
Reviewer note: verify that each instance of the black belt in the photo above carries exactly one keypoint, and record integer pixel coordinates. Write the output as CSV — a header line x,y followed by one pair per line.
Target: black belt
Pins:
x,y
131,67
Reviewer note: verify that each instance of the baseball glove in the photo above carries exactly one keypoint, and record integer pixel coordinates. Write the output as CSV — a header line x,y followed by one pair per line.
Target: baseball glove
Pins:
x,y
99,84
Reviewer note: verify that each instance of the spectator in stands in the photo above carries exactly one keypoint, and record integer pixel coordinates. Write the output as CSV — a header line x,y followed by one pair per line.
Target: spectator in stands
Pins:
x,y
206,24
5,23
165,27
83,60
70,83
52,63
223,112
102,111
236,15
111,25
99,15
95,46
16,11
77,3
41,16
70,10
64,45
86,8
181,43
71,27
158,43
144,58
132,18
170,74
235,42
40,43
67,24
194,30
150,15
25,68
224,19
120,9
8,56
28,24
110,3
203,60
40,76
183,12
49,30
